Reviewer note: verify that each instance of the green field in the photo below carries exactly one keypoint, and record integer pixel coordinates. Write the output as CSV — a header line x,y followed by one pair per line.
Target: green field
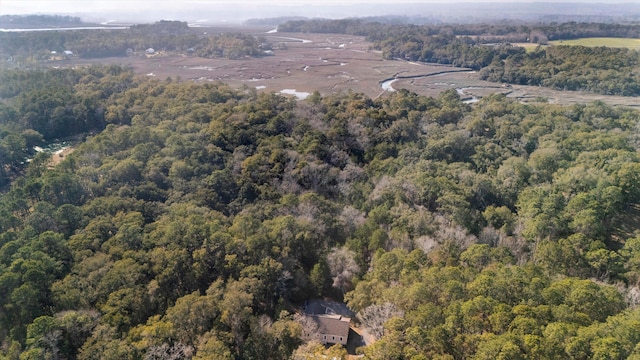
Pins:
x,y
528,46
602,41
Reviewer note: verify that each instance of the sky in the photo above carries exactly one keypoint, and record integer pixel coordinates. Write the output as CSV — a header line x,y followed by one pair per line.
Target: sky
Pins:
x,y
233,9
59,6
49,6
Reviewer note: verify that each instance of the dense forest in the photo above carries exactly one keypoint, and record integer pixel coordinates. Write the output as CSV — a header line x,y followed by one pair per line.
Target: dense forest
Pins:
x,y
195,219
608,71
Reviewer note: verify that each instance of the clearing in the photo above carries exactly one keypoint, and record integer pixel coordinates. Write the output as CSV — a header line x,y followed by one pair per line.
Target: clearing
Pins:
x,y
633,44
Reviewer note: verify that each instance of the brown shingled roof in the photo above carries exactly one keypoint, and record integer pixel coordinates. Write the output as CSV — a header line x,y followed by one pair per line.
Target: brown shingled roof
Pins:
x,y
332,324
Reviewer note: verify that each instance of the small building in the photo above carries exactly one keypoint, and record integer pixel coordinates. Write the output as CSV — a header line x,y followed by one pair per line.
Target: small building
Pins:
x,y
55,56
327,329
68,53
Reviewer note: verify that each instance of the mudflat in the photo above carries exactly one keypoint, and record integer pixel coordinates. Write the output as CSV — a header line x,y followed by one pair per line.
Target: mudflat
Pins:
x,y
333,63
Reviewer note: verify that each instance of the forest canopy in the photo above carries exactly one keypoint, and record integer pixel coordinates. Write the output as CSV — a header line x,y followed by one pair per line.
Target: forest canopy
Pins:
x,y
194,220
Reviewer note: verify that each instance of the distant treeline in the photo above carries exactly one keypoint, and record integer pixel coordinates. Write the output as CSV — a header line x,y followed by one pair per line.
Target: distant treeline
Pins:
x,y
609,71
22,21
163,35
486,33
273,21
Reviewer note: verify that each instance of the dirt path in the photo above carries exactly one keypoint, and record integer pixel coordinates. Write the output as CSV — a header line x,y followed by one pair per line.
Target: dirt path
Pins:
x,y
59,155
367,338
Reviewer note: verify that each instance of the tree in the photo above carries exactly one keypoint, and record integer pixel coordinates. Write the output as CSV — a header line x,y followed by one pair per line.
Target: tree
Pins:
x,y
192,316
375,316
316,351
125,308
236,310
43,338
212,348
342,267
320,277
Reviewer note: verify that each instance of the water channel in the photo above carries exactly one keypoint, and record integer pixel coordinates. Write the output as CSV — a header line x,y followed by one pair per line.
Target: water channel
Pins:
x,y
387,85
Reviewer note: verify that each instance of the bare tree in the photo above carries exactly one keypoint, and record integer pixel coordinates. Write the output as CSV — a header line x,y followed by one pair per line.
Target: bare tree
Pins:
x,y
347,176
342,267
317,175
165,351
426,243
352,218
374,317
310,328
50,343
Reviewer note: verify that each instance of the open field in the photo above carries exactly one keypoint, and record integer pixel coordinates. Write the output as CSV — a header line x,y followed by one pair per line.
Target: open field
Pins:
x,y
332,63
633,44
527,46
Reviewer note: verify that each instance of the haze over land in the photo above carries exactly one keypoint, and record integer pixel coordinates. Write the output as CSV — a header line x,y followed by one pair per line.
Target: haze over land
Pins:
x,y
214,12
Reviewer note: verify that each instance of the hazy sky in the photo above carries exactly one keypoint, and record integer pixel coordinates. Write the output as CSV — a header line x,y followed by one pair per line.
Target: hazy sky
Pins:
x,y
239,10
48,6
71,6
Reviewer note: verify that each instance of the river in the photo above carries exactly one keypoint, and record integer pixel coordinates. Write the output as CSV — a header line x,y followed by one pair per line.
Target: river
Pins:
x,y
67,28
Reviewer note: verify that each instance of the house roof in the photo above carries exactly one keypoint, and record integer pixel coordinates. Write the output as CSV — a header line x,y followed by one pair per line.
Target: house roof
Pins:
x,y
332,324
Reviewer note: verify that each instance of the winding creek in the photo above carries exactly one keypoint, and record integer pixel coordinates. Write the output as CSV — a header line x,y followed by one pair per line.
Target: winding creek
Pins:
x,y
467,99
304,41
387,84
